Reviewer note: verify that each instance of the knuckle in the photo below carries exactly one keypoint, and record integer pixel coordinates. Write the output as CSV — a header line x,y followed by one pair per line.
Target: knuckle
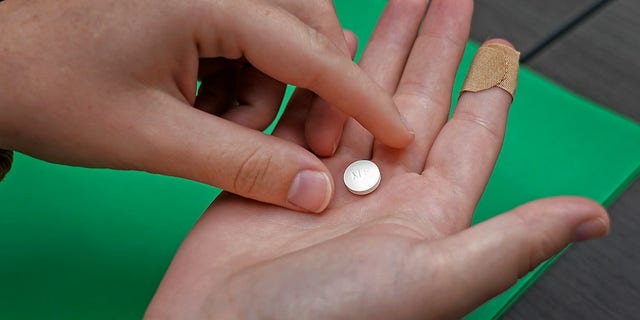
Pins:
x,y
324,5
320,43
252,173
444,39
541,246
320,9
324,54
410,6
418,93
538,244
478,121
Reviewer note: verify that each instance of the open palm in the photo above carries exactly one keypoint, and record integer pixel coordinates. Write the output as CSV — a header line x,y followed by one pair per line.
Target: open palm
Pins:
x,y
405,251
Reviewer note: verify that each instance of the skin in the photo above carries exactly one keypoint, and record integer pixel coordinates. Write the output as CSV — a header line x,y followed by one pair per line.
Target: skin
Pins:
x,y
113,84
405,251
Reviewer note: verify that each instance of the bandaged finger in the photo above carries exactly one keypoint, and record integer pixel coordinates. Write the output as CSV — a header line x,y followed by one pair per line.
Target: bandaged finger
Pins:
x,y
494,65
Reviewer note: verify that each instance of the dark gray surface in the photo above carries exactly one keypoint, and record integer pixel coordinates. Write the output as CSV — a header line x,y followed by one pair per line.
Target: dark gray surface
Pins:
x,y
599,59
593,280
523,22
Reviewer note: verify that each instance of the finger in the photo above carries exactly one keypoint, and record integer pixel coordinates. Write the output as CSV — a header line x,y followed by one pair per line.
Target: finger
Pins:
x,y
184,142
424,93
293,124
320,15
288,50
464,153
323,128
384,59
259,98
324,124
479,263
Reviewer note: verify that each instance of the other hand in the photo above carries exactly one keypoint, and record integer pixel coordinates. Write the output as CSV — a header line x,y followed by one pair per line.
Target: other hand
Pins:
x,y
112,84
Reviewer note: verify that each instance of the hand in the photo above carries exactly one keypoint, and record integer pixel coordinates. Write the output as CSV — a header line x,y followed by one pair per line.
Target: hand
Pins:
x,y
110,84
405,251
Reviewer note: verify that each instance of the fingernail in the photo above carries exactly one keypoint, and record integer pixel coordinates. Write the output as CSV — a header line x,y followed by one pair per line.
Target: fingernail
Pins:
x,y
334,148
406,123
310,190
590,229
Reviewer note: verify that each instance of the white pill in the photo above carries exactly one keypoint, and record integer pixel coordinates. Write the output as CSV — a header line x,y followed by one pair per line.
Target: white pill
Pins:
x,y
362,177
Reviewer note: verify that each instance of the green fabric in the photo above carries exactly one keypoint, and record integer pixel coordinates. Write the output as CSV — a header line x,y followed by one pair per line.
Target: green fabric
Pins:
x,y
94,244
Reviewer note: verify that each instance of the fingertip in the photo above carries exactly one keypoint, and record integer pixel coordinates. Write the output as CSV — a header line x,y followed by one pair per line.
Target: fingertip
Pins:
x,y
311,190
405,140
310,185
409,135
593,218
352,42
323,146
396,132
323,129
499,41
584,218
496,64
579,207
591,229
401,138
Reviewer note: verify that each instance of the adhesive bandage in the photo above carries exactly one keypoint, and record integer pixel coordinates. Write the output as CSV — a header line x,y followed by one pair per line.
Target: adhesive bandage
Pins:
x,y
494,65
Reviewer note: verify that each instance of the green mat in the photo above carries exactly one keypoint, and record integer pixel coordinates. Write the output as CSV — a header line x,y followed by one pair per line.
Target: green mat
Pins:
x,y
94,244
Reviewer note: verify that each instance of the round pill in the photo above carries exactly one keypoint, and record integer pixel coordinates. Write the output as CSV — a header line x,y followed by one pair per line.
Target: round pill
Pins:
x,y
362,177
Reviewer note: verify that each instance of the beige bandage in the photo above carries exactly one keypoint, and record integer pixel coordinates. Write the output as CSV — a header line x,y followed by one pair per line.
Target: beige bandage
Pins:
x,y
6,158
495,65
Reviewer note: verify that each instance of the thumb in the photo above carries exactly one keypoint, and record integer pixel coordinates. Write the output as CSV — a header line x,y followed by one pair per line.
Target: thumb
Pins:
x,y
186,142
485,260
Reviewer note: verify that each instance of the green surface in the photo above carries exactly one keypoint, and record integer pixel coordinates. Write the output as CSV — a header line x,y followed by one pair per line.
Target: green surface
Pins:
x,y
93,244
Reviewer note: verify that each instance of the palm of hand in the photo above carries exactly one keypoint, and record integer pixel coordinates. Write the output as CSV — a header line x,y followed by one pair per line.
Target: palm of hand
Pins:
x,y
401,252
355,257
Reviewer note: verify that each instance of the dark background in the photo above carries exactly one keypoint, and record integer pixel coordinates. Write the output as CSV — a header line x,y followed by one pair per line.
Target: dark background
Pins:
x,y
597,57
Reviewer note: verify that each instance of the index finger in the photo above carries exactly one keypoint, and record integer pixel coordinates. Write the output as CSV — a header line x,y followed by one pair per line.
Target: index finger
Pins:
x,y
282,46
